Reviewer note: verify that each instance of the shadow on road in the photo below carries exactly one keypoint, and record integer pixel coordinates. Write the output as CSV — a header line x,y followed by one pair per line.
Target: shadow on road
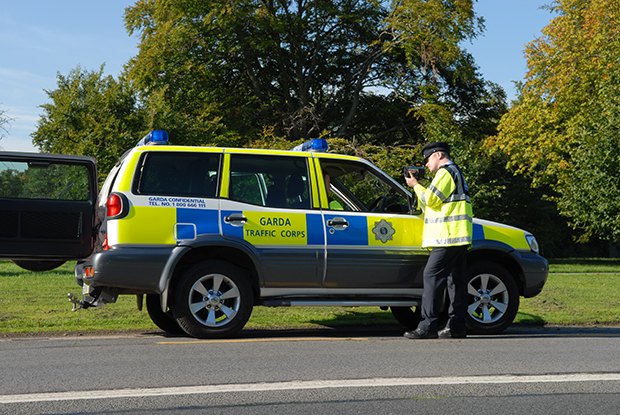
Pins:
x,y
515,331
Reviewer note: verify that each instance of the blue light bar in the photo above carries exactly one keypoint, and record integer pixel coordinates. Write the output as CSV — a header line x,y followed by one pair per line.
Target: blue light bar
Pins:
x,y
154,137
318,144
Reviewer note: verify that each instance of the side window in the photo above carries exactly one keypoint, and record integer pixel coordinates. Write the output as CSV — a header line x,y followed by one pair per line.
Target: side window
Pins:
x,y
357,187
273,181
178,174
44,180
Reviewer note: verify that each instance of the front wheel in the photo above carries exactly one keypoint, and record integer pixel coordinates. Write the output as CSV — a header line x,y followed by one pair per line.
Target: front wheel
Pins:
x,y
493,298
212,300
407,316
410,316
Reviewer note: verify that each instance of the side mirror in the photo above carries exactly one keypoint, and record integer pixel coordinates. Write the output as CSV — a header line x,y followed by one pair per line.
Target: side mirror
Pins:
x,y
414,205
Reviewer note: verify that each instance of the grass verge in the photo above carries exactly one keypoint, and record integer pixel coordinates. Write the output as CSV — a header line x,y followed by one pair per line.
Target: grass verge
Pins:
x,y
582,292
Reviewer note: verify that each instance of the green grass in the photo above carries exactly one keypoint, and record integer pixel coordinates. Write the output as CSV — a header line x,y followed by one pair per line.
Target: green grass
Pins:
x,y
574,299
37,302
578,292
582,265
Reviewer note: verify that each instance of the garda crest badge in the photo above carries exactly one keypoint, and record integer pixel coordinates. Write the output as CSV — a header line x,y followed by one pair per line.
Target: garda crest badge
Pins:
x,y
383,231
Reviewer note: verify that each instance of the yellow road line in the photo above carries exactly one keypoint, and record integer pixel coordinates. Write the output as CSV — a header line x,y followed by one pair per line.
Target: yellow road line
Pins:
x,y
290,339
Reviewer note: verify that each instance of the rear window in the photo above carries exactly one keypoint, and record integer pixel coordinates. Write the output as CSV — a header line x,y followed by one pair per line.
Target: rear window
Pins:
x,y
178,174
44,180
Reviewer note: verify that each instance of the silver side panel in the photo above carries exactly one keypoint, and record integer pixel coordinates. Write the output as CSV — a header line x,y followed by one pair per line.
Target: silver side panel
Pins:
x,y
322,292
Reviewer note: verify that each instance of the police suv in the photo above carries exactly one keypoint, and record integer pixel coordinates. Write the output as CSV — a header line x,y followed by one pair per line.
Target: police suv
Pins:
x,y
206,234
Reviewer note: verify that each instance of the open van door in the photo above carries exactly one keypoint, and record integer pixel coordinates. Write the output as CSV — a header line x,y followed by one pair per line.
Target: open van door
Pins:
x,y
47,208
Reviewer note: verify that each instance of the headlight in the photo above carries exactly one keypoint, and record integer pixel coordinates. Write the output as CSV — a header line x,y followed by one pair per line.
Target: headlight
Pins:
x,y
531,240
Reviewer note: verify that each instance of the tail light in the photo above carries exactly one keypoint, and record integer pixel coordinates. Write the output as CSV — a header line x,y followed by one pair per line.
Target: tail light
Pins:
x,y
114,205
117,206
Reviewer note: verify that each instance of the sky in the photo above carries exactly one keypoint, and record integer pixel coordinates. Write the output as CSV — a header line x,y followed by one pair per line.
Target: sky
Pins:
x,y
41,38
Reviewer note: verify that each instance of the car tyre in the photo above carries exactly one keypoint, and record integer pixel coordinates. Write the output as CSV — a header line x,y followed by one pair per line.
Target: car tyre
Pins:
x,y
163,320
212,300
493,298
37,266
407,316
410,316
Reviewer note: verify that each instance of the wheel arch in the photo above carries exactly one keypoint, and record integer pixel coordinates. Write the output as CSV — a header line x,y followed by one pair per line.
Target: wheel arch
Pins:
x,y
187,255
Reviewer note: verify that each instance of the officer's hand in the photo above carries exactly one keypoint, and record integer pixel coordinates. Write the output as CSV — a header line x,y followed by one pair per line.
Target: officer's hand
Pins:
x,y
411,181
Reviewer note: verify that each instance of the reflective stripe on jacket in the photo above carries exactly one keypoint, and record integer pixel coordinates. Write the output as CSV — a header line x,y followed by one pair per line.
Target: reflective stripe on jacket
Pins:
x,y
448,212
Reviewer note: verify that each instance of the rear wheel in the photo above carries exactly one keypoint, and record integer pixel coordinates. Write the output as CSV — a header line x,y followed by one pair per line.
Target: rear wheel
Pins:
x,y
212,300
493,298
163,320
37,266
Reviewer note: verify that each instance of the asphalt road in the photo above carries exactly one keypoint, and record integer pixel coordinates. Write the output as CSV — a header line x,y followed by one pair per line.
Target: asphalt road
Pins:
x,y
546,371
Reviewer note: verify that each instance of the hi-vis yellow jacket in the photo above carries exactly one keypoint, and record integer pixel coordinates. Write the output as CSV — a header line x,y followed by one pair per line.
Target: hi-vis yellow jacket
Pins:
x,y
448,212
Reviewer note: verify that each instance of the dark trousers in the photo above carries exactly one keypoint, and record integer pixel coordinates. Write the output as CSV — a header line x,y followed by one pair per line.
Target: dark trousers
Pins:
x,y
446,267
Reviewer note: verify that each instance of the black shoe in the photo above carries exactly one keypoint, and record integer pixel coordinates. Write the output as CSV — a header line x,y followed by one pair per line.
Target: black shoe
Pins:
x,y
448,334
419,334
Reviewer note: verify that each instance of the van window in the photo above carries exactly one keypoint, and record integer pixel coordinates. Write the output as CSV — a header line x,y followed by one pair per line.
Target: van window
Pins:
x,y
273,181
358,187
178,174
44,180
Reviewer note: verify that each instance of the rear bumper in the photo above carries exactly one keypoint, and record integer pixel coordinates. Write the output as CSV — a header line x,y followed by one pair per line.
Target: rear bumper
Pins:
x,y
131,269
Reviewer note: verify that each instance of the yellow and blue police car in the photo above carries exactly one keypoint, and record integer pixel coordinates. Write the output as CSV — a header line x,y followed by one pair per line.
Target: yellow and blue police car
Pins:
x,y
206,234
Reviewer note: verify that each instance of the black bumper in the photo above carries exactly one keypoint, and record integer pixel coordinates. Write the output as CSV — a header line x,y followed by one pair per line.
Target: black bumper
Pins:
x,y
535,272
136,269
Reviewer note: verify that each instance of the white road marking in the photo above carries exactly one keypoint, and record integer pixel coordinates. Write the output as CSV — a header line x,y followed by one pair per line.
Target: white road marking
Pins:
x,y
299,385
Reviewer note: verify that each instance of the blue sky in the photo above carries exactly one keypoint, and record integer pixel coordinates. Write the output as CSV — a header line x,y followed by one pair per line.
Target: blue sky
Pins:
x,y
40,38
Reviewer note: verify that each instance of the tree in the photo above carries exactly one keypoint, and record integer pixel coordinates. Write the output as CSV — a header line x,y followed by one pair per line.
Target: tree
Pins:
x,y
563,132
306,67
4,123
591,183
90,114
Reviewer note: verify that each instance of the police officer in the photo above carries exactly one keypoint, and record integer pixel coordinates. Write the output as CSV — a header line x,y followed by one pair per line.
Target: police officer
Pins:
x,y
448,232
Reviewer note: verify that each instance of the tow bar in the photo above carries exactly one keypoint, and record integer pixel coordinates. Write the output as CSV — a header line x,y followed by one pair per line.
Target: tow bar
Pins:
x,y
77,304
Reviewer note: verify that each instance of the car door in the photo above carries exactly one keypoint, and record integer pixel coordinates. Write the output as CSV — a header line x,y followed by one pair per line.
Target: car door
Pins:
x,y
373,241
267,202
47,208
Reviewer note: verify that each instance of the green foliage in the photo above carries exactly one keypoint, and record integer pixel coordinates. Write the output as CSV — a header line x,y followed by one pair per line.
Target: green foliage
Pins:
x,y
11,182
592,179
302,68
500,196
563,131
90,114
431,30
56,181
378,79
196,127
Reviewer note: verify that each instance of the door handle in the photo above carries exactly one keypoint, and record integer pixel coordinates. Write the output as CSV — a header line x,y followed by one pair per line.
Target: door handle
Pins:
x,y
236,219
338,223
